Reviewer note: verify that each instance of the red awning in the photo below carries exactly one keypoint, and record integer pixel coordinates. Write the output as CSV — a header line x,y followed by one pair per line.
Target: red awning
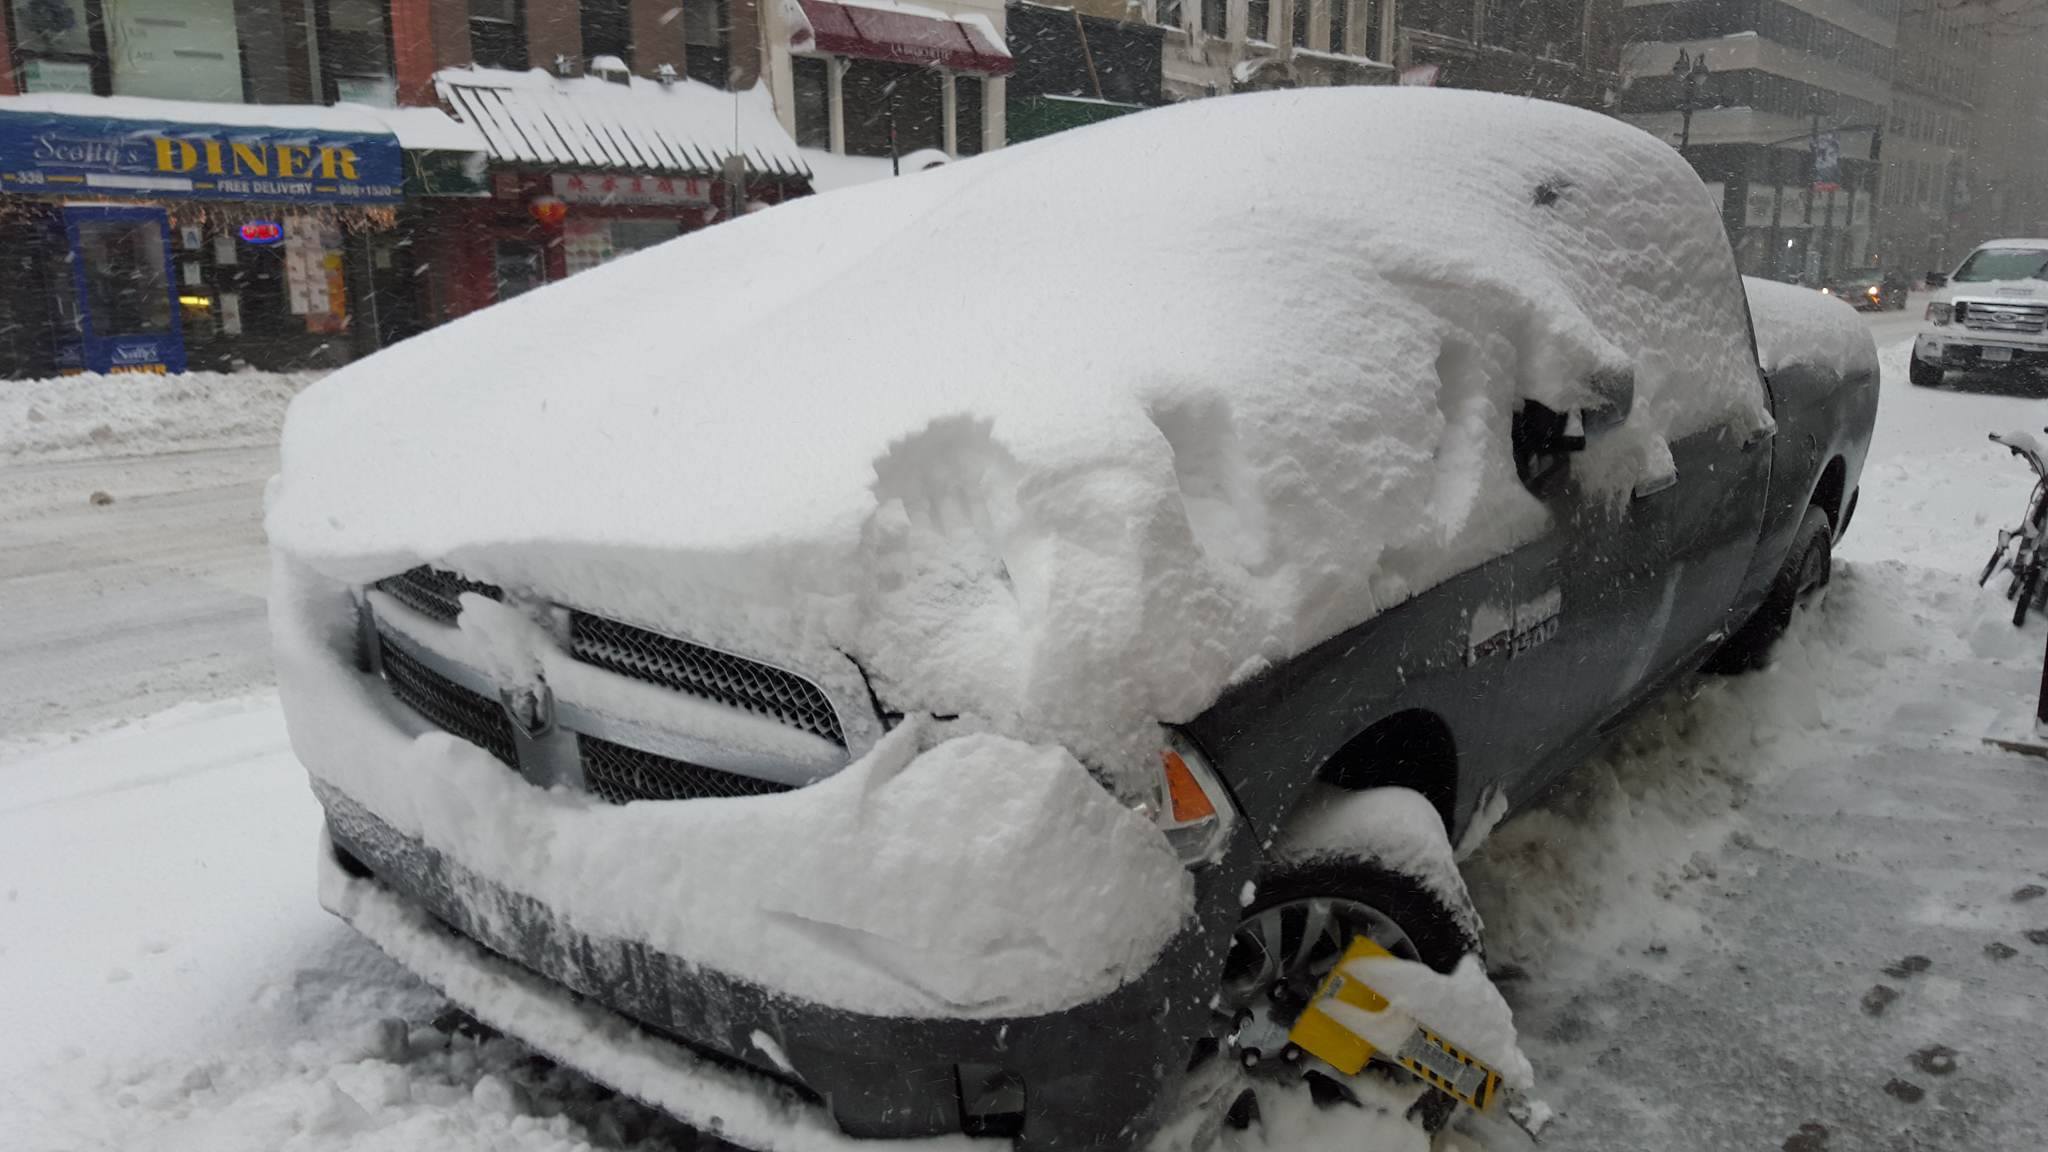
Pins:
x,y
905,38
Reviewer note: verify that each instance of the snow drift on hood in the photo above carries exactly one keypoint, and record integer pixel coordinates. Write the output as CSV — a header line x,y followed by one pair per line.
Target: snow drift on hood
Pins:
x,y
1067,436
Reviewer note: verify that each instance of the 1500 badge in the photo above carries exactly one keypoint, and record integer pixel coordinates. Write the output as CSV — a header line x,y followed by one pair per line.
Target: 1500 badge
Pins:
x,y
1498,630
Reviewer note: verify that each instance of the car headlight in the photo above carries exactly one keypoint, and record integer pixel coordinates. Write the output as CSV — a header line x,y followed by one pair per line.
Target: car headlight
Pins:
x,y
1940,313
1871,292
1826,291
1189,803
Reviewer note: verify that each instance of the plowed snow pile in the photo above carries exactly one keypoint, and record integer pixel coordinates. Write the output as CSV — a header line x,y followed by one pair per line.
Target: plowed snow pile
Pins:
x,y
1068,437
74,417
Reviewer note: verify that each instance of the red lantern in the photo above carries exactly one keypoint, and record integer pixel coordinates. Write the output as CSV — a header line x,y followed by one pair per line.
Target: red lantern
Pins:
x,y
549,210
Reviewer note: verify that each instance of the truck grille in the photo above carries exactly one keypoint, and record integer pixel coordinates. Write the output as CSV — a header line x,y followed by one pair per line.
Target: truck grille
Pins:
x,y
620,774
731,680
449,706
1989,317
434,592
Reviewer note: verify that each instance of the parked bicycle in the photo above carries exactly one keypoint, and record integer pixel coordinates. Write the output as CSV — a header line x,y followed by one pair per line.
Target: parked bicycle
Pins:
x,y
2019,549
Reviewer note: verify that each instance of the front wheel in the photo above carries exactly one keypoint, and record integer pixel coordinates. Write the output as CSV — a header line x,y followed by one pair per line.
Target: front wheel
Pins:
x,y
1325,890
1923,374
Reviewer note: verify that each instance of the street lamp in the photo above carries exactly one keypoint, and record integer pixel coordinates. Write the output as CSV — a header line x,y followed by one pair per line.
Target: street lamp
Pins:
x,y
1691,73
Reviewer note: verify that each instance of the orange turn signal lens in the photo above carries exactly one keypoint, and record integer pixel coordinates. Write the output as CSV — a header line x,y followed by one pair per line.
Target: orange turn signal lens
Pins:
x,y
1184,796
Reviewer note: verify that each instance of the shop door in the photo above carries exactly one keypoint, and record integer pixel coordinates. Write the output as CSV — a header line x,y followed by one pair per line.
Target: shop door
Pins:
x,y
121,272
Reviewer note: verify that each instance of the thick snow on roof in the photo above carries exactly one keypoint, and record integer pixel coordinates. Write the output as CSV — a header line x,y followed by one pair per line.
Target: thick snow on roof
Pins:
x,y
1070,435
430,129
534,117
310,117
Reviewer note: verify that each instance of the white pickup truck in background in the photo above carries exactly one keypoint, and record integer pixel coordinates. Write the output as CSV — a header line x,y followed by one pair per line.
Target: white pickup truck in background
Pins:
x,y
1993,313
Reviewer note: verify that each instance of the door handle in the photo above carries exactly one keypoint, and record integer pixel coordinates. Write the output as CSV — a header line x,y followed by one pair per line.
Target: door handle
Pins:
x,y
1656,484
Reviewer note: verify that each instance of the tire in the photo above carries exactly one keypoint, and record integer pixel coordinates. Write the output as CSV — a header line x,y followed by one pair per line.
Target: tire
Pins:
x,y
1923,374
2026,587
1407,896
1808,566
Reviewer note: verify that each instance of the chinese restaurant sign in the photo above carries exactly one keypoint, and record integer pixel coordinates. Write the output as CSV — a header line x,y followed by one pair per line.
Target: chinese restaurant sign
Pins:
x,y
50,154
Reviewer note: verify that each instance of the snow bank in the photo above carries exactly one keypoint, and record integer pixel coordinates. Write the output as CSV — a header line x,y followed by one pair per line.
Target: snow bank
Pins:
x,y
73,417
945,873
1799,326
1035,442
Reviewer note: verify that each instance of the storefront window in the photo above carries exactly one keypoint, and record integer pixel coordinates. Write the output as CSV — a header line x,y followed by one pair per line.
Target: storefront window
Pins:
x,y
497,33
52,28
1215,17
355,51
519,268
174,49
1340,25
705,28
812,78
1301,23
879,98
607,29
1258,18
1168,13
53,41
127,289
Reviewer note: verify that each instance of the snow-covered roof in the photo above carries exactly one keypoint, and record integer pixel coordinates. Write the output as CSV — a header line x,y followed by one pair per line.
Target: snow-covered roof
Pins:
x,y
351,118
430,129
644,125
1070,435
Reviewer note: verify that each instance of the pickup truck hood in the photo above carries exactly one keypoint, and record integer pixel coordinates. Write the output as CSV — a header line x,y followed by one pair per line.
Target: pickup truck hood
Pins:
x,y
1034,442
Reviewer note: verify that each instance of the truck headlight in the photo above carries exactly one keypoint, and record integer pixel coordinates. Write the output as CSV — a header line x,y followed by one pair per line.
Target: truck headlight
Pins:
x,y
1190,804
1940,314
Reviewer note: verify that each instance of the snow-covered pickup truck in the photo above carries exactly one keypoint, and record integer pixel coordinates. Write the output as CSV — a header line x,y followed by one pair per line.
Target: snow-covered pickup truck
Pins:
x,y
946,656
1992,313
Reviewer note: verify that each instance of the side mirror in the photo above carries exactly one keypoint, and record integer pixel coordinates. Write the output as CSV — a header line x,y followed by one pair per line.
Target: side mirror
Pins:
x,y
1614,397
1937,279
1543,438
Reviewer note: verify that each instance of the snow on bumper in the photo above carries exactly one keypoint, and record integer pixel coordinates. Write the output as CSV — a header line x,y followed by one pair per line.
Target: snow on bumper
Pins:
x,y
971,903
976,877
716,1099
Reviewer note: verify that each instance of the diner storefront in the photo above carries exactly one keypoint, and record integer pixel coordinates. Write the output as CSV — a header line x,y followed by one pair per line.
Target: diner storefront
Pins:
x,y
135,242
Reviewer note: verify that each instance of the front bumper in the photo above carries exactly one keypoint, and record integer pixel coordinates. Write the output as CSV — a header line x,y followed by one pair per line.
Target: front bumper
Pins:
x,y
1067,1070
1095,1076
1960,348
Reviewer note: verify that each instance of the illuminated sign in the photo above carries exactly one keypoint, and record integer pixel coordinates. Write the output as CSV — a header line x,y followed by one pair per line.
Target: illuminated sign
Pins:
x,y
262,233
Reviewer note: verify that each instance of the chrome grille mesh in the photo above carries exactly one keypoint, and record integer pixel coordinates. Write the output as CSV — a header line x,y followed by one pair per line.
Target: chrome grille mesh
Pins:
x,y
731,680
448,705
434,592
620,775
1989,317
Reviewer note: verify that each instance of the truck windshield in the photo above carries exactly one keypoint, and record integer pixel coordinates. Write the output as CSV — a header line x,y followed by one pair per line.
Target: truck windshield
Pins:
x,y
2003,264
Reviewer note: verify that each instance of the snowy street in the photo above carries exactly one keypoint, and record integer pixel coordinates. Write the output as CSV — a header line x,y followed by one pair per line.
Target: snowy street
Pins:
x,y
1805,908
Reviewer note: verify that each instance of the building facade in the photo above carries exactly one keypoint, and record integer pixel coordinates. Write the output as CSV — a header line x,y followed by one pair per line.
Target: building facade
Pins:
x,y
1568,51
1931,165
1786,121
219,183
2007,179
1074,68
872,78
